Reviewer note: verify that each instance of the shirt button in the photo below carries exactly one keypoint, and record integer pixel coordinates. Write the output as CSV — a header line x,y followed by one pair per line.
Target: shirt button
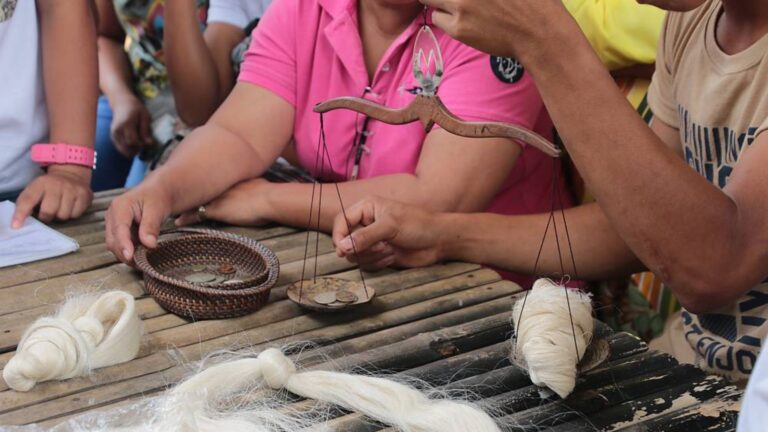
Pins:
x,y
385,67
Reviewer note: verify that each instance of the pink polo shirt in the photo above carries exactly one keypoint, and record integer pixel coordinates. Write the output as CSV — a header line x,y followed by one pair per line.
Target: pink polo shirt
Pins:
x,y
309,51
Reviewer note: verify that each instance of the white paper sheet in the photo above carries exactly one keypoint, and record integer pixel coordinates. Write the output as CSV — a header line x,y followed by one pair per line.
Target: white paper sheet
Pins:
x,y
32,242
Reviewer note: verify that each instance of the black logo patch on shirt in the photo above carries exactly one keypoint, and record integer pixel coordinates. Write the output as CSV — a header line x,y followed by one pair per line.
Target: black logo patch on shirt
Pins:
x,y
507,69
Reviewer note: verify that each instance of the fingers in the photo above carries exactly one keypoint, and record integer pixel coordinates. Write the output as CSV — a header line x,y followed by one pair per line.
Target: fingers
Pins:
x,y
27,201
443,20
120,218
82,202
444,5
365,238
125,137
152,217
359,215
66,206
342,224
145,128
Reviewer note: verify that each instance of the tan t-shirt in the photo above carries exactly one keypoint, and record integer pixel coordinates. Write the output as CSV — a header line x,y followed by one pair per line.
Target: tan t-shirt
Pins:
x,y
719,103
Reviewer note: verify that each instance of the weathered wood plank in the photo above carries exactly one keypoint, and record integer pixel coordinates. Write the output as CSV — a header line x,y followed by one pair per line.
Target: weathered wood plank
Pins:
x,y
124,389
718,414
664,400
262,331
87,258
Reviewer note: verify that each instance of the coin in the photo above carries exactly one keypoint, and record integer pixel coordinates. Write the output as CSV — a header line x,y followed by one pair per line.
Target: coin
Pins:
x,y
346,297
325,298
200,278
232,282
199,268
226,268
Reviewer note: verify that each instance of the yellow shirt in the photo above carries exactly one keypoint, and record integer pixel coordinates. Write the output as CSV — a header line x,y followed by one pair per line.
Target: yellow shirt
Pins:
x,y
622,32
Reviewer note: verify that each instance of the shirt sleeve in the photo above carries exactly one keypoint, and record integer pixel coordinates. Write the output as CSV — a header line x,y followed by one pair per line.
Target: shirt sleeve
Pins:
x,y
661,97
622,33
479,87
228,12
270,61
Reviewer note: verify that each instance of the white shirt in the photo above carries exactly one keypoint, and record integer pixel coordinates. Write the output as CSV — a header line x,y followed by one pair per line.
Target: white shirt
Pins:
x,y
754,407
238,13
23,114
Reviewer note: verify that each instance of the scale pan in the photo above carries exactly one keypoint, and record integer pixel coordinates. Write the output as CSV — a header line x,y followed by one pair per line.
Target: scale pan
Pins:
x,y
328,294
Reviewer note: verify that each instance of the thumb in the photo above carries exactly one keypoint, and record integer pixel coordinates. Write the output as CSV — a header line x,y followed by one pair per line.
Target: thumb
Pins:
x,y
365,238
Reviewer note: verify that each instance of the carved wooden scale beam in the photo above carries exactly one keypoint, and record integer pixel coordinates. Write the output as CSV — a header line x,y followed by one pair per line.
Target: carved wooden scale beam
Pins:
x,y
430,110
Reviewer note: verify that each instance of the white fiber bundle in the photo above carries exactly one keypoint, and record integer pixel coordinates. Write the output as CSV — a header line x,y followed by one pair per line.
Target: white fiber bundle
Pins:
x,y
380,399
86,333
544,343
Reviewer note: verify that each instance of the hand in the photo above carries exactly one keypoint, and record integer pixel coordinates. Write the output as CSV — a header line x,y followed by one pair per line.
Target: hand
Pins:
x,y
147,207
244,205
64,192
499,27
386,233
131,126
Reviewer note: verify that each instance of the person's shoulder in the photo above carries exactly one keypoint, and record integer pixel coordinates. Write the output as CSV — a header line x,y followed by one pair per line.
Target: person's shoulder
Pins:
x,y
680,27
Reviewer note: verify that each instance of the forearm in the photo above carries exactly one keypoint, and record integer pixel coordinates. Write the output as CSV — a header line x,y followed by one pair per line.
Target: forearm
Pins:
x,y
614,151
208,162
70,70
191,67
513,242
114,71
289,203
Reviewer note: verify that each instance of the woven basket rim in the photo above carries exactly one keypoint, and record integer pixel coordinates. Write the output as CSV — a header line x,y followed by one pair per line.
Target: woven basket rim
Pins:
x,y
270,260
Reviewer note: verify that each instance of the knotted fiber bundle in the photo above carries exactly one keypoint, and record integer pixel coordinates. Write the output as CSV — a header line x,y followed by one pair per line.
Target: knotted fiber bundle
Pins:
x,y
86,333
544,344
188,406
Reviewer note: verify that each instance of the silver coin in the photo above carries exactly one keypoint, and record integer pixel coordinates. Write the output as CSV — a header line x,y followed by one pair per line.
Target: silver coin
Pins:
x,y
325,298
346,297
199,268
200,278
232,282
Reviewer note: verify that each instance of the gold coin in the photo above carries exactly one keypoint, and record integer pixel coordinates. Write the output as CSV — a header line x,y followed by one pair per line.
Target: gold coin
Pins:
x,y
346,297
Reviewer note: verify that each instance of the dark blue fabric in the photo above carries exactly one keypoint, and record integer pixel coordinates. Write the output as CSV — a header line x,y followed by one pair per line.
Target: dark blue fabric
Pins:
x,y
111,167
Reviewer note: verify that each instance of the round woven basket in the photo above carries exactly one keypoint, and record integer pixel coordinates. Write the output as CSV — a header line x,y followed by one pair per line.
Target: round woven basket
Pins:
x,y
257,272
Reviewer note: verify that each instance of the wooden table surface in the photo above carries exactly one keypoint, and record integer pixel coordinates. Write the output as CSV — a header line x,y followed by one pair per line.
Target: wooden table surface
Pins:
x,y
447,324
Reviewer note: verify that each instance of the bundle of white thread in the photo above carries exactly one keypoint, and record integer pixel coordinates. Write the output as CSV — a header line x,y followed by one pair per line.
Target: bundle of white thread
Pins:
x,y
544,344
86,333
208,402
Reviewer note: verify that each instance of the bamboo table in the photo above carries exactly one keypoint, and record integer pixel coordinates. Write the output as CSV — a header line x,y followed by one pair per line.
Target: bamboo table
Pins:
x,y
447,324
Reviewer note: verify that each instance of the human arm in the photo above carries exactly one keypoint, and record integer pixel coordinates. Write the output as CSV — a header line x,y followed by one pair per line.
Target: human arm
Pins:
x,y
68,46
446,179
387,232
199,65
131,124
706,244
245,135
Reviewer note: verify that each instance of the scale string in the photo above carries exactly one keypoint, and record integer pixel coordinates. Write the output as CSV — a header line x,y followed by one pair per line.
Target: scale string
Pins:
x,y
309,224
556,197
341,201
319,213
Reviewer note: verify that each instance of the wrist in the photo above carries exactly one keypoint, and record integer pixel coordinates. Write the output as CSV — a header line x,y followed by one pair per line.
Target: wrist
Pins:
x,y
80,173
557,41
265,196
121,97
451,236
